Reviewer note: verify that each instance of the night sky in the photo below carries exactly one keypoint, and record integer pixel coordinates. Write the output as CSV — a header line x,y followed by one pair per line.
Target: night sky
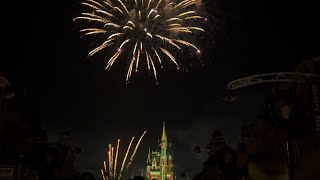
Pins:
x,y
44,54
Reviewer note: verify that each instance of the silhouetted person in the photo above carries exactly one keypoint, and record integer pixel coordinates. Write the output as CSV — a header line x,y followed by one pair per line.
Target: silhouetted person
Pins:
x,y
86,176
197,149
138,178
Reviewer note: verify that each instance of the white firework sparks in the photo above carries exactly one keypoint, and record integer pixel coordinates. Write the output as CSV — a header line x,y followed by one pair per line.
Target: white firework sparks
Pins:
x,y
150,30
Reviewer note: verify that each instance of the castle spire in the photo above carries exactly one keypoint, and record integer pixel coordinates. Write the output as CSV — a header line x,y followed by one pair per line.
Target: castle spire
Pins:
x,y
163,154
149,157
164,136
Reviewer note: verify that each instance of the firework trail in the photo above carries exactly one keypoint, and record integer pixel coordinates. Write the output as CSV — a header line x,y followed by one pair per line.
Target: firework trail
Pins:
x,y
102,173
109,158
105,166
116,159
125,158
135,149
152,30
112,162
109,170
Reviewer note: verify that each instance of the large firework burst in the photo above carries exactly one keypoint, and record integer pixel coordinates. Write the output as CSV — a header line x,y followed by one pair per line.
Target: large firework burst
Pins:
x,y
151,30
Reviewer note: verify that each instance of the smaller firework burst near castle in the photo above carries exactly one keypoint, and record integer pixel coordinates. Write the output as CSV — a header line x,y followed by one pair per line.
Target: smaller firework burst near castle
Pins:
x,y
110,169
159,164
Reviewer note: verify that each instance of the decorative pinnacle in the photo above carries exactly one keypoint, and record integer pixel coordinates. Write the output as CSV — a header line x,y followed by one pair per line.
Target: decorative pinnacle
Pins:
x,y
149,157
164,136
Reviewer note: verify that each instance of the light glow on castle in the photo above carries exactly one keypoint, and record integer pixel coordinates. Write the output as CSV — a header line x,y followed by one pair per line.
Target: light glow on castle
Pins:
x,y
159,164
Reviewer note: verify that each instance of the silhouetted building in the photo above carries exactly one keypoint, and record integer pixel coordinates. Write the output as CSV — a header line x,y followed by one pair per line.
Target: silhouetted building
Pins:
x,y
222,160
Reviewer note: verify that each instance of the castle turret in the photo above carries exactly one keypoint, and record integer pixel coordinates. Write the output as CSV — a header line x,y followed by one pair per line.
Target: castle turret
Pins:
x,y
149,158
170,165
149,163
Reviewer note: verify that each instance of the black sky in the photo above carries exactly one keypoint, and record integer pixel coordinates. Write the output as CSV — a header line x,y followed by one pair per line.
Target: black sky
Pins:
x,y
44,54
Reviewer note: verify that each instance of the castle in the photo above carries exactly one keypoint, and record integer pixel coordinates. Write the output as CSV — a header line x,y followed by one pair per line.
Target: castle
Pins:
x,y
159,164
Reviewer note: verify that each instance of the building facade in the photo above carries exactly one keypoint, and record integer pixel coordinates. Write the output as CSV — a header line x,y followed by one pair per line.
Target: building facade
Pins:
x,y
159,163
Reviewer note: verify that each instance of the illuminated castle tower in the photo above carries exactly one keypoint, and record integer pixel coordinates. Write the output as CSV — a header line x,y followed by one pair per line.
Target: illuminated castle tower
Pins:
x,y
159,164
